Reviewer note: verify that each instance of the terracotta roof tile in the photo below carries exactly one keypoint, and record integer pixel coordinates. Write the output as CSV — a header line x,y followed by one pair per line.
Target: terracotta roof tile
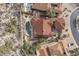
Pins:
x,y
41,6
41,27
59,24
42,53
56,49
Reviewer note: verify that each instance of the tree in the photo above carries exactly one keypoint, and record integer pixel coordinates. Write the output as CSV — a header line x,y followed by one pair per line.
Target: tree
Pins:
x,y
11,27
5,49
28,49
74,52
52,13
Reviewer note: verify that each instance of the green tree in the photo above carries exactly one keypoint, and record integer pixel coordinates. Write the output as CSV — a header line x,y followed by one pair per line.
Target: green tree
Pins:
x,y
52,13
74,52
6,48
11,27
28,49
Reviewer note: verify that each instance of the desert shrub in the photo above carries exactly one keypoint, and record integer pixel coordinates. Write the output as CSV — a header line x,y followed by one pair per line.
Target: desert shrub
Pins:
x,y
11,27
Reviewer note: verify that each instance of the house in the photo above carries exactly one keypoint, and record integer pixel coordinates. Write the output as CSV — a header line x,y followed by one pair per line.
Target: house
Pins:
x,y
40,9
57,48
41,27
41,6
59,24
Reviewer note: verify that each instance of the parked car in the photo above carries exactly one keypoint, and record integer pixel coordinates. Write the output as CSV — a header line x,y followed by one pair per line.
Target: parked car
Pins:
x,y
77,22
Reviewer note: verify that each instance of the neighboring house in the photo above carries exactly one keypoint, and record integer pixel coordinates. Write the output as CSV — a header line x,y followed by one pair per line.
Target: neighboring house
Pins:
x,y
40,9
41,6
57,49
41,27
59,24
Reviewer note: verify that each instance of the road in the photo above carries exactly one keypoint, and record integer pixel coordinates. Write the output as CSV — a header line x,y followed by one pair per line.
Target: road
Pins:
x,y
75,33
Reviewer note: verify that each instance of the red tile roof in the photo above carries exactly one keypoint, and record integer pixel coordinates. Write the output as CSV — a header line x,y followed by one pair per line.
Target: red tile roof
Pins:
x,y
47,6
55,49
41,51
41,27
59,24
41,6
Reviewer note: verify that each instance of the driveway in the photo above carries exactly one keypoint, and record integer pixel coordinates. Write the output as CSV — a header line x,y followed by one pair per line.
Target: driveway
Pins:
x,y
75,33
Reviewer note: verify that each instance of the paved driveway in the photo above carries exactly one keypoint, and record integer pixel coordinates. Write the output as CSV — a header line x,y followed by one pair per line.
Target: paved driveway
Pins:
x,y
75,33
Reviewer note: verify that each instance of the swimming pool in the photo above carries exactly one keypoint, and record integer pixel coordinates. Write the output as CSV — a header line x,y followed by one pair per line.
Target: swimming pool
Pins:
x,y
28,26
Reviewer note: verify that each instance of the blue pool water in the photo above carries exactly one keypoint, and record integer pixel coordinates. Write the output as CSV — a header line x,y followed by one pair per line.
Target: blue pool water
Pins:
x,y
28,27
